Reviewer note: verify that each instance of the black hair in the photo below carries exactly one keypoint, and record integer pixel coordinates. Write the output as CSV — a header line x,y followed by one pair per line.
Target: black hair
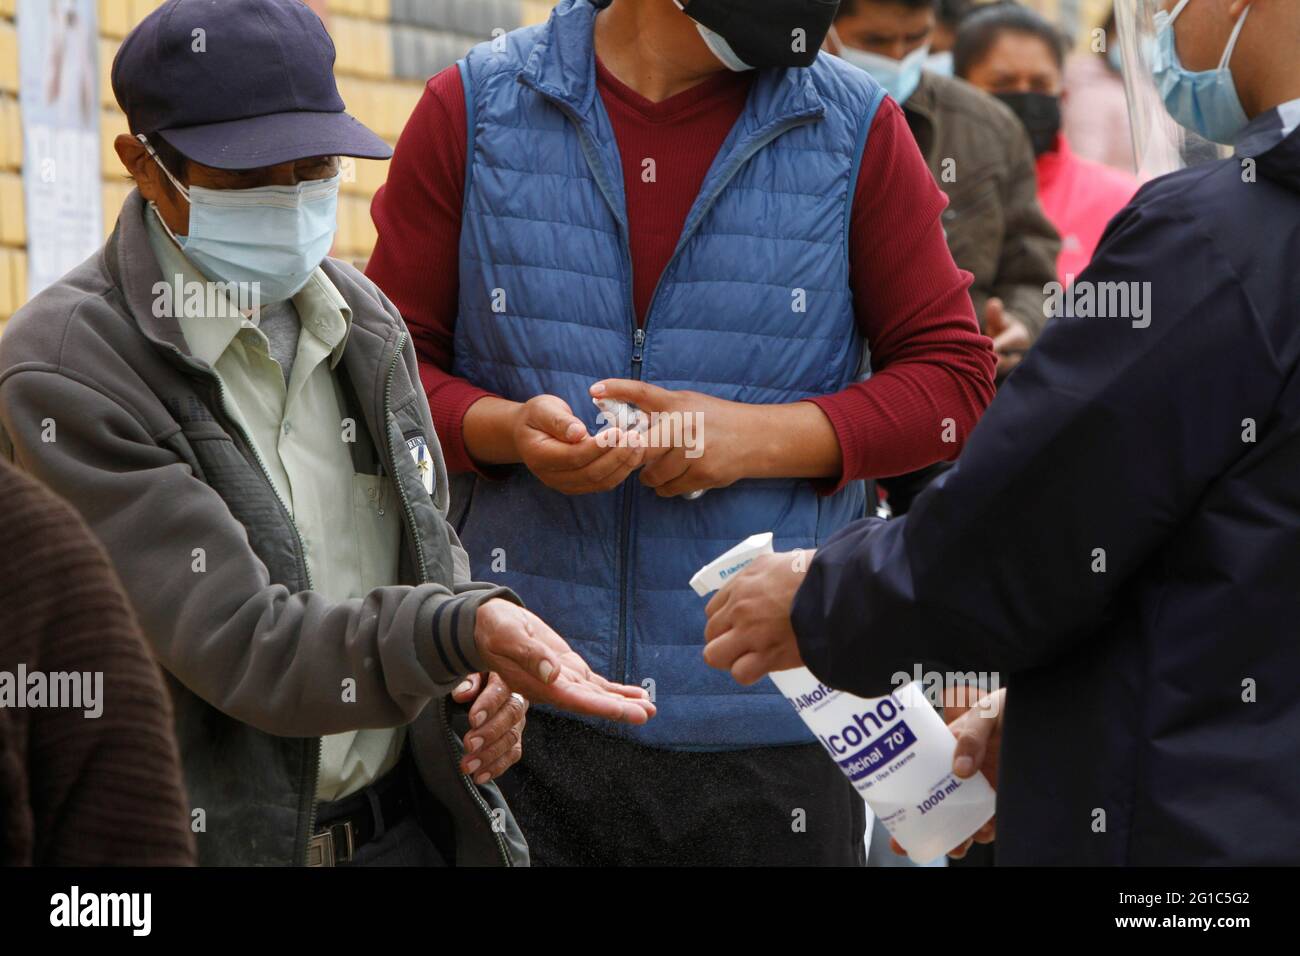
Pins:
x,y
983,26
951,12
848,6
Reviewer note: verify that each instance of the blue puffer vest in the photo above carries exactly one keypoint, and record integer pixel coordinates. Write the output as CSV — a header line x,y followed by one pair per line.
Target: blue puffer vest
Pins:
x,y
546,306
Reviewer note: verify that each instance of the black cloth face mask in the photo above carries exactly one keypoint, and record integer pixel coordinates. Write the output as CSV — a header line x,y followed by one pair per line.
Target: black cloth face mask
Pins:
x,y
767,33
1039,113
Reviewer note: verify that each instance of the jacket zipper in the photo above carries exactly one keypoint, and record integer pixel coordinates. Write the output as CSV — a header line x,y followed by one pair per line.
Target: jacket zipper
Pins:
x,y
413,534
397,481
306,570
302,551
470,786
257,456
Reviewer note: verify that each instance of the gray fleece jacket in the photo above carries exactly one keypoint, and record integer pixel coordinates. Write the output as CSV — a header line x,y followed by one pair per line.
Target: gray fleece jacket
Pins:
x,y
101,400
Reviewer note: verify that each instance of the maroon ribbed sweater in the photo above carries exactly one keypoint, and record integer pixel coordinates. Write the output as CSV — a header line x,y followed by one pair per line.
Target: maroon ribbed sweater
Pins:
x,y
75,790
929,359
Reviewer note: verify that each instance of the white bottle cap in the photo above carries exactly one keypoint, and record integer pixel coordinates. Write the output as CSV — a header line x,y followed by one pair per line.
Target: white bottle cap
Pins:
x,y
725,566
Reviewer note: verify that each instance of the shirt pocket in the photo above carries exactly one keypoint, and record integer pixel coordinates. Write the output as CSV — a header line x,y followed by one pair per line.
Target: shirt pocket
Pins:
x,y
377,518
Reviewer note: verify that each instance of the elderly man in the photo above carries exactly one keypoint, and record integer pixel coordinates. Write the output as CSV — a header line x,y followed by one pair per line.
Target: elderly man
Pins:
x,y
239,420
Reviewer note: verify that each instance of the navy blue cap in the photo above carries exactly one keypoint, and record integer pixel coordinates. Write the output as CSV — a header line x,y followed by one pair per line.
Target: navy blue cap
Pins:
x,y
238,84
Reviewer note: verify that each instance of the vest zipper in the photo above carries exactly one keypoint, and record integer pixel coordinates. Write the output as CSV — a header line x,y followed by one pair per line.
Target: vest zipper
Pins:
x,y
639,332
620,668
409,515
639,336
622,657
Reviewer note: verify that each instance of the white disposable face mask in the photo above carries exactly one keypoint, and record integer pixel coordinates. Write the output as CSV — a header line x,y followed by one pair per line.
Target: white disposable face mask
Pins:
x,y
900,78
271,236
940,63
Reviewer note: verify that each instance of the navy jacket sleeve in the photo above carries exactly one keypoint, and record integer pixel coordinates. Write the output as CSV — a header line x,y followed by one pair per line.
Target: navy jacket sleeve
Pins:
x,y
1090,457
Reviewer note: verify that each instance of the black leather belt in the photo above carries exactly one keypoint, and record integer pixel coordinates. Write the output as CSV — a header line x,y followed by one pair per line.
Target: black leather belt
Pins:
x,y
346,825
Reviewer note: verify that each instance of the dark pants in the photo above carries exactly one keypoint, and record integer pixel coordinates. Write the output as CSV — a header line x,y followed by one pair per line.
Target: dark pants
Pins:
x,y
402,842
406,844
584,798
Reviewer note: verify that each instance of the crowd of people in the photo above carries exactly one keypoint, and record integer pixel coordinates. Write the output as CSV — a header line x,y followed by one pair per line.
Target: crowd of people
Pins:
x,y
411,605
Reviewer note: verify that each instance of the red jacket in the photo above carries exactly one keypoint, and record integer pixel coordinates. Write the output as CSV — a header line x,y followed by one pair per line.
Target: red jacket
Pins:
x,y
1079,197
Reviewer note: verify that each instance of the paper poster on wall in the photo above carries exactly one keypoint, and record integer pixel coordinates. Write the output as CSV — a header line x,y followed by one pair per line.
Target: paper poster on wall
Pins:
x,y
59,96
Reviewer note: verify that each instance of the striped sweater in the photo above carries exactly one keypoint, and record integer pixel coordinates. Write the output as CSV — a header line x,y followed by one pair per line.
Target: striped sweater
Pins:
x,y
78,789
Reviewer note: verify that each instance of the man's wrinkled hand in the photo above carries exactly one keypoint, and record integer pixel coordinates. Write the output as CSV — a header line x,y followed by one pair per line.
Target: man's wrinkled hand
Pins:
x,y
749,631
537,663
496,719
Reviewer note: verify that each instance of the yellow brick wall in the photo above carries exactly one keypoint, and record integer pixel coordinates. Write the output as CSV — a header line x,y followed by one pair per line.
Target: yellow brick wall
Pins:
x,y
1077,19
363,32
13,228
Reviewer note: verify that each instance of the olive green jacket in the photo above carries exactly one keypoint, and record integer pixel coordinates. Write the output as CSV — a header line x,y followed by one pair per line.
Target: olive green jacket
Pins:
x,y
980,156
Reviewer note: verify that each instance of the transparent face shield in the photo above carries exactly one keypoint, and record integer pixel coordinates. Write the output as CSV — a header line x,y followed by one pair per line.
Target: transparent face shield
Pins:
x,y
1160,144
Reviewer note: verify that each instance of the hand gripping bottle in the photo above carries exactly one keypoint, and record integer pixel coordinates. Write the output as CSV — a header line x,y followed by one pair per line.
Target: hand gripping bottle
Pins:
x,y
895,749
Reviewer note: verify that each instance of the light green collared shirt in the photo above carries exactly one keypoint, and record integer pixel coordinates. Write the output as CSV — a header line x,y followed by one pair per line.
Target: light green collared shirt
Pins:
x,y
350,523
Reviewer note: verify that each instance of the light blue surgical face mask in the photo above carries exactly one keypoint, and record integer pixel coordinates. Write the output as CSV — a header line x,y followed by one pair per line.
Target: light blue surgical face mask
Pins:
x,y
900,78
940,63
275,236
1204,101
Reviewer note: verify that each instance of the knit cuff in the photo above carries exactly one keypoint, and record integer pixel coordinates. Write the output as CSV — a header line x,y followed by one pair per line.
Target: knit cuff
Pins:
x,y
451,652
